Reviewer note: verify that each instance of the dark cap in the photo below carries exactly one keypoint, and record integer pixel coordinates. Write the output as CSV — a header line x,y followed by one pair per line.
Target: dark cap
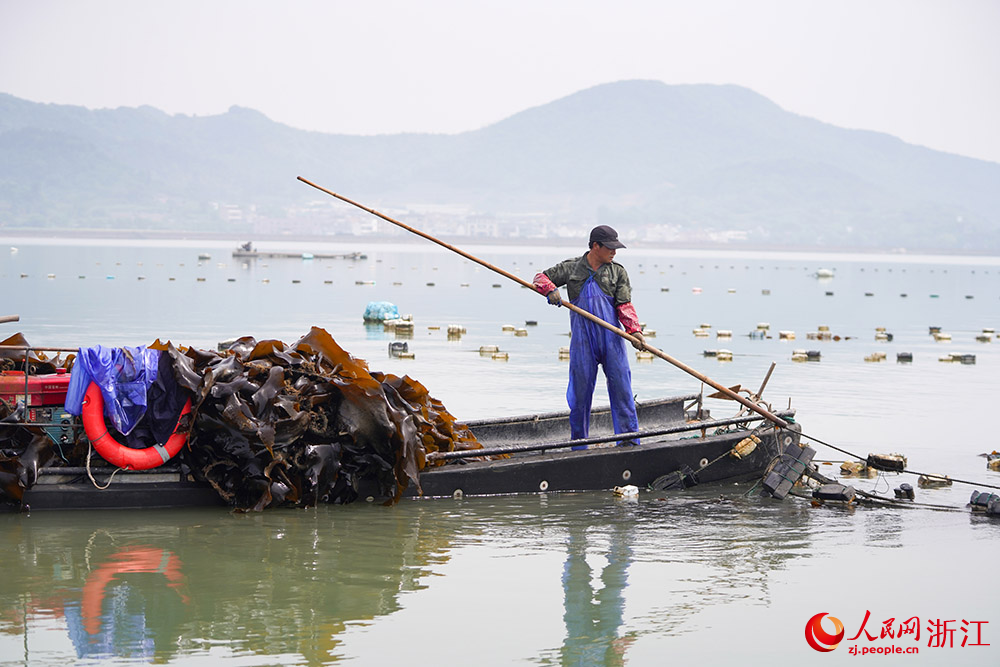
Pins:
x,y
606,236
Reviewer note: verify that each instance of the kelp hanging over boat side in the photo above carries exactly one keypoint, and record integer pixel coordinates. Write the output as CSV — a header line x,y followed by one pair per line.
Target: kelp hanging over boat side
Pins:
x,y
275,424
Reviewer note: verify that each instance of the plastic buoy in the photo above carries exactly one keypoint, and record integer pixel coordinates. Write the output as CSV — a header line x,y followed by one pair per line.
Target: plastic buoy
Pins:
x,y
932,481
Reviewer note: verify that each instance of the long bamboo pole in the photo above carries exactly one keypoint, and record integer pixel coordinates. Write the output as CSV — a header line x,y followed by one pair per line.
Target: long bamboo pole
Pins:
x,y
576,309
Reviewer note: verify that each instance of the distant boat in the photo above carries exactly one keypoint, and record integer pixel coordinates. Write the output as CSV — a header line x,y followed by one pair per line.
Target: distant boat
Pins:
x,y
204,255
824,273
247,251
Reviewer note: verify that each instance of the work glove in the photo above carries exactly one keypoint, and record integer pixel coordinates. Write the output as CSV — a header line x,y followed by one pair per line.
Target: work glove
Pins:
x,y
554,298
640,342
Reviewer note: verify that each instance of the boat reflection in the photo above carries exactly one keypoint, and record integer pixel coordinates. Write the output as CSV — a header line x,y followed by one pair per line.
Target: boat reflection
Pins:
x,y
162,585
296,587
111,616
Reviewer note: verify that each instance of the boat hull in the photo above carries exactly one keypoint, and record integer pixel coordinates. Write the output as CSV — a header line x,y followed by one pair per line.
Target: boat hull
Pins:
x,y
605,468
540,463
57,489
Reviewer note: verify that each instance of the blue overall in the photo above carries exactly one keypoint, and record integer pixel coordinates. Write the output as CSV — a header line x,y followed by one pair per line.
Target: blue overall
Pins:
x,y
590,345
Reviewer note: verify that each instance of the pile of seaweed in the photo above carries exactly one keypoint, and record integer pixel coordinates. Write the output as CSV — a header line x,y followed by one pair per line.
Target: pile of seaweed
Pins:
x,y
274,424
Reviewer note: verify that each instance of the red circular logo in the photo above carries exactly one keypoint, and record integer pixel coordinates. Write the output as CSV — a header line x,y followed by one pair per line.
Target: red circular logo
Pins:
x,y
819,638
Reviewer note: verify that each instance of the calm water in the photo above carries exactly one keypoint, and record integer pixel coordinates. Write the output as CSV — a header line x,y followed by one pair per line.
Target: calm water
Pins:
x,y
564,579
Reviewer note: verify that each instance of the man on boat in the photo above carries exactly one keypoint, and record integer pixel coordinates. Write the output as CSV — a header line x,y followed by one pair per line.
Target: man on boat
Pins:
x,y
599,285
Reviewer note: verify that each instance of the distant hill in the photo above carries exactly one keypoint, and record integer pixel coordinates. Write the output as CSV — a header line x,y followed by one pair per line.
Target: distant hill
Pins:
x,y
691,162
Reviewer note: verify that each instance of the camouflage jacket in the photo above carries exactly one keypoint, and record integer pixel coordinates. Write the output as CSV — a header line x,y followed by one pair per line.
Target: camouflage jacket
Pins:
x,y
574,272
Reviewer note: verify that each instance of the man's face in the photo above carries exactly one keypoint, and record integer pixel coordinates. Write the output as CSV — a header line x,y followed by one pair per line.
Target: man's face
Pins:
x,y
603,254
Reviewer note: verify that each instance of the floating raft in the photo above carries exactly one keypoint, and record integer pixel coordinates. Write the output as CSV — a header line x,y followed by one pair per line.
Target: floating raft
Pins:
x,y
256,254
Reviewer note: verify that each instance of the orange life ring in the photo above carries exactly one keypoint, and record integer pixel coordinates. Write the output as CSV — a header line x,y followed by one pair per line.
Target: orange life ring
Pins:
x,y
118,454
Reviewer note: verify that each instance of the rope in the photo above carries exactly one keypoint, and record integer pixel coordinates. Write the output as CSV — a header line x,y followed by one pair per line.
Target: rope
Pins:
x,y
91,475
906,470
889,501
895,502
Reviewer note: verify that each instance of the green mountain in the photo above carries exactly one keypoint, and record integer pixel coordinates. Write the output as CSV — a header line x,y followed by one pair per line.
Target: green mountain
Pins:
x,y
683,163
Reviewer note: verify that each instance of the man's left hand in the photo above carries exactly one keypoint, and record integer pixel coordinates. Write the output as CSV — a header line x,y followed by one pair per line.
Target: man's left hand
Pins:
x,y
639,343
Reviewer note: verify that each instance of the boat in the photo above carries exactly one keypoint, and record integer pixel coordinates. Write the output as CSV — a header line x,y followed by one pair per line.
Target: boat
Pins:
x,y
247,251
540,460
679,444
678,439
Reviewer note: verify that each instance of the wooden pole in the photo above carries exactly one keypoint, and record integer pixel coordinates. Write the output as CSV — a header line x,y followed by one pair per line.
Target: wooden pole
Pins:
x,y
579,311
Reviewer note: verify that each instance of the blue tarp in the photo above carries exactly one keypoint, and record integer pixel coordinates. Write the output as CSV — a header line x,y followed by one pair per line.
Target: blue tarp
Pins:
x,y
379,311
123,374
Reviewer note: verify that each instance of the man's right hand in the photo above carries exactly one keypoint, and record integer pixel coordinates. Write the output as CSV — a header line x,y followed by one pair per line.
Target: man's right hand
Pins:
x,y
554,298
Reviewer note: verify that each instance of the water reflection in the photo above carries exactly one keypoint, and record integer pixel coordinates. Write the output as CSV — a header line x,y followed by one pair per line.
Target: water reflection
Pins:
x,y
884,529
577,578
118,602
158,585
669,566
593,618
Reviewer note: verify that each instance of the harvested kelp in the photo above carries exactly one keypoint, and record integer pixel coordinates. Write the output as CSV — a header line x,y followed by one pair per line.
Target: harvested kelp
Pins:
x,y
38,363
273,424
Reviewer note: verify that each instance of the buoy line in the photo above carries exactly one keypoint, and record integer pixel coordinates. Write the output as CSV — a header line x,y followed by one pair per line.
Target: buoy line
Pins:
x,y
875,498
906,470
890,501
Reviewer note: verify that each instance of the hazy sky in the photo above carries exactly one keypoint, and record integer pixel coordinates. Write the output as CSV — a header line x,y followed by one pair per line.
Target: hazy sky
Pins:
x,y
927,71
